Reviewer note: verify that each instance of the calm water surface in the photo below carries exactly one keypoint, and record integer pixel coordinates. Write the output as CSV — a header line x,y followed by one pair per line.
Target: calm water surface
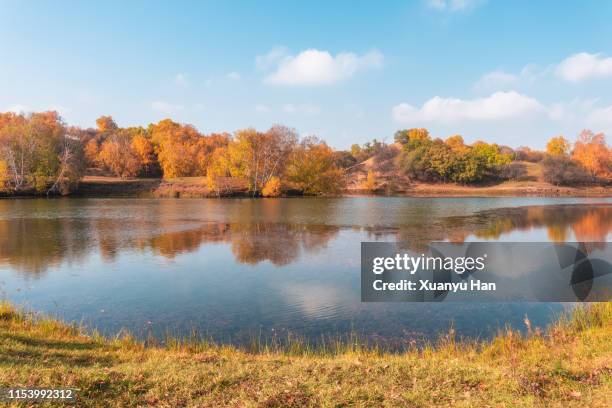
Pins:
x,y
238,268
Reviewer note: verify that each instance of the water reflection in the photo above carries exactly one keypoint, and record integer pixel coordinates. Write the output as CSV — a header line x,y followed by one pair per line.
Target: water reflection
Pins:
x,y
235,268
563,223
31,242
31,246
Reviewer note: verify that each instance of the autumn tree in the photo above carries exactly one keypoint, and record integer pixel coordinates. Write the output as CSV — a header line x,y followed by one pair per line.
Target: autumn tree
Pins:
x,y
4,175
272,188
592,152
218,171
176,146
313,170
34,148
106,124
92,151
118,156
259,156
370,182
205,148
558,146
457,144
413,136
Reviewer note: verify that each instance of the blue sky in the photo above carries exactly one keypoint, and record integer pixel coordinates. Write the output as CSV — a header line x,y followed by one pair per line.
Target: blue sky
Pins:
x,y
512,72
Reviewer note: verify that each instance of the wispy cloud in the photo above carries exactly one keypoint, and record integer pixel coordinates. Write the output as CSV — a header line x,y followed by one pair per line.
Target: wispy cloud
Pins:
x,y
496,80
601,119
498,106
583,66
271,58
180,79
315,67
453,5
234,76
500,80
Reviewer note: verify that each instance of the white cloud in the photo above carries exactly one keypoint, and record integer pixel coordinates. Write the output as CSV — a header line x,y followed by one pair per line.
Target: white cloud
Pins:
x,y
582,66
500,80
572,111
315,67
180,79
453,5
496,107
271,58
302,109
496,80
165,107
601,119
234,76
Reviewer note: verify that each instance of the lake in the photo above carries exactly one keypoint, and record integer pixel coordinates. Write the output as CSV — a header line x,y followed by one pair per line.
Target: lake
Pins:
x,y
234,269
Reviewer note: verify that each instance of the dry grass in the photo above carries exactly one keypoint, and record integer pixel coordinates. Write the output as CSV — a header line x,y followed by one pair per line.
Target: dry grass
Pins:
x,y
569,365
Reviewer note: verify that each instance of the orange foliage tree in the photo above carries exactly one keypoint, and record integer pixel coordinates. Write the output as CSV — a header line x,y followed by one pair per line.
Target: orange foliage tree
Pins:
x,y
592,152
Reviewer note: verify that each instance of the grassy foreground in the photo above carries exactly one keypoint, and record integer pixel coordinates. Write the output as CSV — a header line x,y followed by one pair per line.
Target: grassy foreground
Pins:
x,y
568,365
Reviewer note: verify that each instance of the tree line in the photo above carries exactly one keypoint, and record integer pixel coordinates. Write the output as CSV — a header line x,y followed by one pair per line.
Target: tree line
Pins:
x,y
420,157
40,151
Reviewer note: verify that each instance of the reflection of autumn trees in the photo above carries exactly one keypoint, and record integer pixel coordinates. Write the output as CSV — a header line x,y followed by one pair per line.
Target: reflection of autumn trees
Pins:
x,y
278,243
63,239
589,223
33,244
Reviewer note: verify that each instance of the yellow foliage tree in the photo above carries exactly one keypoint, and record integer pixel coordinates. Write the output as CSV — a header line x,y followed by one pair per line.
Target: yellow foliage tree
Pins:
x,y
313,170
457,144
258,156
558,146
92,150
370,183
4,175
272,188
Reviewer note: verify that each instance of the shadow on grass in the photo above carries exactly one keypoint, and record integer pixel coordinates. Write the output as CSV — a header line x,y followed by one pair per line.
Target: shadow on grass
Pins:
x,y
22,350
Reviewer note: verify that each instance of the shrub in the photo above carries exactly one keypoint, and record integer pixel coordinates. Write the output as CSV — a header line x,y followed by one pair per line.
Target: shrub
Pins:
x,y
559,170
526,154
513,171
272,188
344,159
370,182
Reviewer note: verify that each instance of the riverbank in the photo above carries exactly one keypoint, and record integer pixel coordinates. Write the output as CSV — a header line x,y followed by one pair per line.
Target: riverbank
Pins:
x,y
570,364
196,187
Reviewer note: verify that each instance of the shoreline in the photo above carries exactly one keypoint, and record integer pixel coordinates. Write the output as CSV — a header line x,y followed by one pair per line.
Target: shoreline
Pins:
x,y
195,187
566,364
